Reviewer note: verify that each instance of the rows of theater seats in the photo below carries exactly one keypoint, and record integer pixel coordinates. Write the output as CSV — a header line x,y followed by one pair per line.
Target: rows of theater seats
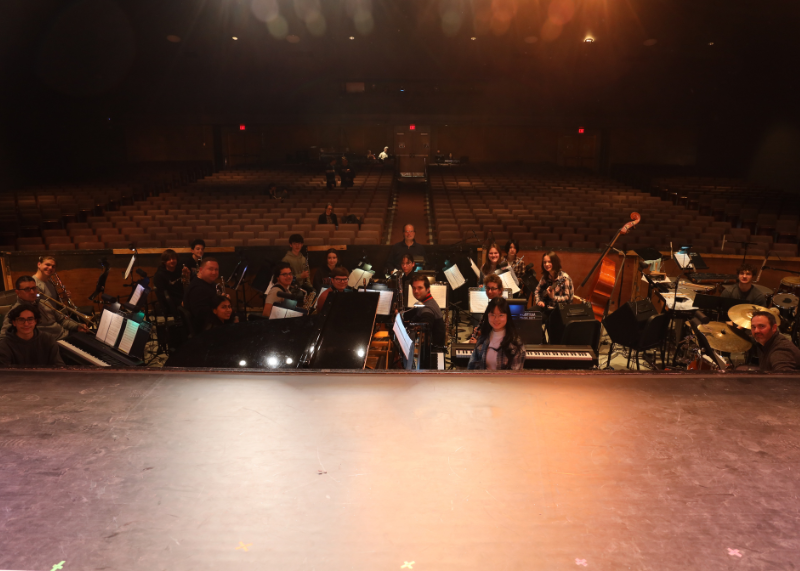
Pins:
x,y
549,208
232,209
33,211
747,206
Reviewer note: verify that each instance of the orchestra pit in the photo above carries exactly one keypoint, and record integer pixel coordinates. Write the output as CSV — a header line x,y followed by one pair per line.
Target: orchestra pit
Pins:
x,y
257,256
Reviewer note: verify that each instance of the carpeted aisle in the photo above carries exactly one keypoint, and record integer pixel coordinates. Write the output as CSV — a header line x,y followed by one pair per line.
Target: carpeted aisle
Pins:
x,y
410,210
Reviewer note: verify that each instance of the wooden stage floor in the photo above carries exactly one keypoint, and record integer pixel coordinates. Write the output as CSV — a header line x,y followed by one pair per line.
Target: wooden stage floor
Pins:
x,y
327,472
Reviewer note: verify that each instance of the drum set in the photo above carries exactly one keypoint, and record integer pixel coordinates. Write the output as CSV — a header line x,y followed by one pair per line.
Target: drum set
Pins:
x,y
786,299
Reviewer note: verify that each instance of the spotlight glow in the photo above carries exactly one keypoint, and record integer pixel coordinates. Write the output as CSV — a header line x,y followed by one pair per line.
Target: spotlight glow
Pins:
x,y
234,38
352,37
289,360
473,38
242,363
360,352
272,361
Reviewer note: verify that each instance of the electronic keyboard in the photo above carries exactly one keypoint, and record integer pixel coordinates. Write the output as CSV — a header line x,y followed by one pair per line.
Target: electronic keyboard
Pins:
x,y
538,356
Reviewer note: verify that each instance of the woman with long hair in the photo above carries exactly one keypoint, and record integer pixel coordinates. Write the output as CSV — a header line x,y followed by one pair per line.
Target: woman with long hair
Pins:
x,y
555,285
493,262
513,259
322,277
499,347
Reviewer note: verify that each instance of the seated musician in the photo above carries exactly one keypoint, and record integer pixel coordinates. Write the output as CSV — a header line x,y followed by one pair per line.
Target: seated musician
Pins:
x,y
555,285
282,280
776,353
499,347
24,344
408,245
169,283
191,263
407,266
322,275
493,262
744,288
339,278
328,217
493,286
56,323
330,174
199,296
223,313
298,262
426,310
45,268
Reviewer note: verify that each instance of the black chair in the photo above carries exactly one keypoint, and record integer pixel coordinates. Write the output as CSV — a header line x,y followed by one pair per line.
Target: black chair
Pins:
x,y
653,335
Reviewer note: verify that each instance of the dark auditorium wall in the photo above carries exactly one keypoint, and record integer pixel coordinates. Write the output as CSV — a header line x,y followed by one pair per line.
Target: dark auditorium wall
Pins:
x,y
653,146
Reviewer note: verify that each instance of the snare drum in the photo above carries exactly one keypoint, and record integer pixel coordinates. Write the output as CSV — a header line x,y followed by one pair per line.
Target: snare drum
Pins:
x,y
787,306
790,284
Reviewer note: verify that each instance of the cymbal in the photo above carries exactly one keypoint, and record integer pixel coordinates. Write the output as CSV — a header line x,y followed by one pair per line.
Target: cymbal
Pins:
x,y
742,314
791,280
722,338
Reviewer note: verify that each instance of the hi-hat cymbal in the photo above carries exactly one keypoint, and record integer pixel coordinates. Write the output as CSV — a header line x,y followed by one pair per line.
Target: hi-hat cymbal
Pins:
x,y
742,314
722,338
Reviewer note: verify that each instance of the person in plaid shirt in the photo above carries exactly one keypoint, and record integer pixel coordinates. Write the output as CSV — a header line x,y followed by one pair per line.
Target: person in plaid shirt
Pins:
x,y
555,285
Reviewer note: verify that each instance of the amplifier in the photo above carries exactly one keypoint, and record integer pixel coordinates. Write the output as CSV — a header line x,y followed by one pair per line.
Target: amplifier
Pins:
x,y
573,324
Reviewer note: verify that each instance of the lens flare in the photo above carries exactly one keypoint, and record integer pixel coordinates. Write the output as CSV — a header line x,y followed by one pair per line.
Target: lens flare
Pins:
x,y
265,10
278,27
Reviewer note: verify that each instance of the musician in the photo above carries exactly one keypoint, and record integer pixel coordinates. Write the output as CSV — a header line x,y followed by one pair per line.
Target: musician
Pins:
x,y
429,312
24,344
330,175
371,156
493,262
53,322
499,346
199,296
555,285
512,259
408,245
384,154
407,266
298,262
493,286
744,288
346,173
45,269
169,283
223,313
191,263
339,278
322,275
776,352
282,280
328,217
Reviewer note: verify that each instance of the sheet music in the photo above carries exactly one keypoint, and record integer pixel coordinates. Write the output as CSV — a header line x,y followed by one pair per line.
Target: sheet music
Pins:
x,y
669,299
684,260
102,329
130,267
509,281
438,292
478,300
454,276
137,294
128,337
357,276
475,269
283,313
113,329
402,336
385,302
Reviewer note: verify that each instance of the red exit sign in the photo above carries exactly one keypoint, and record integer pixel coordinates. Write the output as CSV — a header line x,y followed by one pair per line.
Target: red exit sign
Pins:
x,y
242,127
580,130
412,127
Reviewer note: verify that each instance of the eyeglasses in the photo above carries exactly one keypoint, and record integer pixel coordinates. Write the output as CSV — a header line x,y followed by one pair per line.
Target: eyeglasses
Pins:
x,y
340,279
27,289
497,315
25,320
492,289
285,274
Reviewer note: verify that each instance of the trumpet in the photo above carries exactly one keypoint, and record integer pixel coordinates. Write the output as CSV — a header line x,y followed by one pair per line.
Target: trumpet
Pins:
x,y
221,286
49,301
59,285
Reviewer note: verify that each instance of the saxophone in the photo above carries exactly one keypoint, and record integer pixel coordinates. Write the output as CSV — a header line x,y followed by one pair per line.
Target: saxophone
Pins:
x,y
308,302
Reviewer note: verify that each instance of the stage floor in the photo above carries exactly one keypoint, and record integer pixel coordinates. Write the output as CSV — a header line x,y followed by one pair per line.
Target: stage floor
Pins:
x,y
199,471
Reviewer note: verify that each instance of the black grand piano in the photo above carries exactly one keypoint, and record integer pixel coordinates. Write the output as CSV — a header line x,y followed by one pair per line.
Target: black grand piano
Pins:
x,y
336,338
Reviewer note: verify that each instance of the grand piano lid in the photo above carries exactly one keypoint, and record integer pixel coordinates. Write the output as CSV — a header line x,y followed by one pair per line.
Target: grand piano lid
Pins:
x,y
337,338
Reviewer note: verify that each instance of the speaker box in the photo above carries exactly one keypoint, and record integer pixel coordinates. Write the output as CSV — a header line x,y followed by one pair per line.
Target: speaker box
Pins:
x,y
625,325
574,324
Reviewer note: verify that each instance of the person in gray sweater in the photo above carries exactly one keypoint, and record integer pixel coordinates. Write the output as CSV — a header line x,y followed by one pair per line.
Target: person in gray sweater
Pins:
x,y
24,344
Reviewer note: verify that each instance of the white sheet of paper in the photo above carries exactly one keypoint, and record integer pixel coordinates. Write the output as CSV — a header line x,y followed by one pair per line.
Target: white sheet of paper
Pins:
x,y
130,267
687,305
509,281
385,302
358,276
664,280
113,329
684,260
475,269
478,300
283,313
454,276
137,294
128,336
402,335
438,291
102,329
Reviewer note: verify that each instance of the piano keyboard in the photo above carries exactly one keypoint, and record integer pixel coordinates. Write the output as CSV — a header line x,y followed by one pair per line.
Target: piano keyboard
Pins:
x,y
540,356
82,354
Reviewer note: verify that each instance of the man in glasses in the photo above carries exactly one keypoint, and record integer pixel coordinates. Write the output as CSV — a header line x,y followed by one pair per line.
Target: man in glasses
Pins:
x,y
24,344
282,280
494,288
51,321
339,278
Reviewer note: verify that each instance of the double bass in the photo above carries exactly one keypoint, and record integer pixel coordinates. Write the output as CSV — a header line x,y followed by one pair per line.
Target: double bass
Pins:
x,y
603,285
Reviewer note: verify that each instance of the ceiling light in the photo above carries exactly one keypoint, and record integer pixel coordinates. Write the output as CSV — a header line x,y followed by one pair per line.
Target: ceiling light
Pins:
x,y
235,38
588,40
352,37
473,38
173,38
